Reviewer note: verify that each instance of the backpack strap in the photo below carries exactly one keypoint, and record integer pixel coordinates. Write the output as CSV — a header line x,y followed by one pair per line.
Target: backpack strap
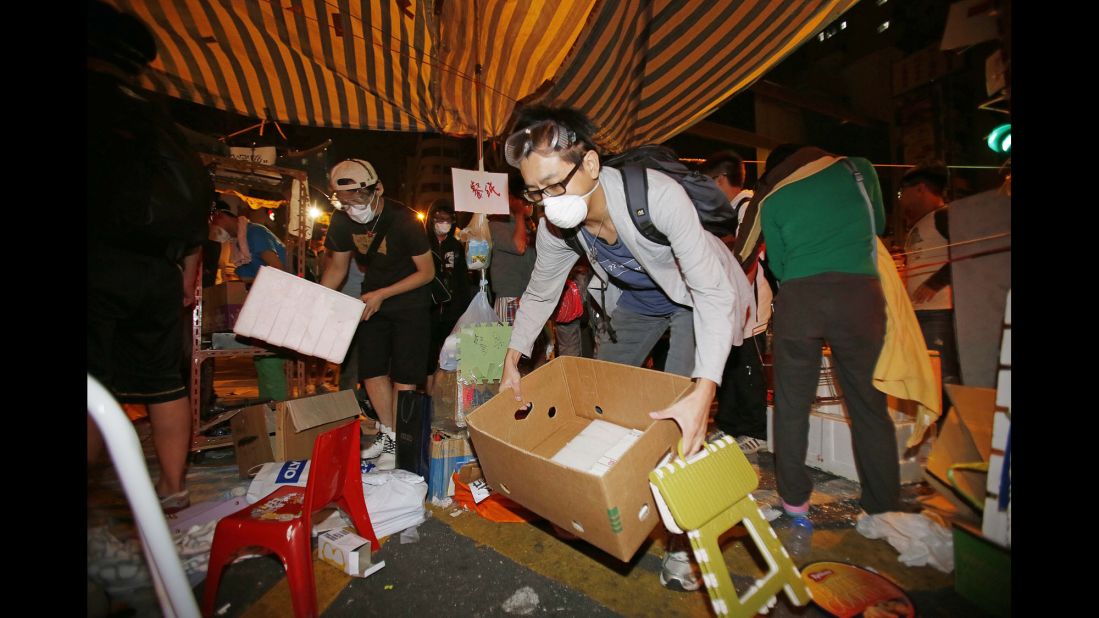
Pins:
x,y
869,207
636,182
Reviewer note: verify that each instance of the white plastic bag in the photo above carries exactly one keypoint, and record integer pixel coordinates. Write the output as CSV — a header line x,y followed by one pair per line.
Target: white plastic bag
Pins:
x,y
275,474
395,499
920,540
479,311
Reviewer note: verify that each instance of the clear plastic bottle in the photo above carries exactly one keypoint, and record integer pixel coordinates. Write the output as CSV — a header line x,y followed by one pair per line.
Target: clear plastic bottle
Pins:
x,y
797,536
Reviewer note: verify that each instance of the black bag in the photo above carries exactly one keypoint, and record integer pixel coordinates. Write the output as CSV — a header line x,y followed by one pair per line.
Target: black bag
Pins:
x,y
414,432
715,212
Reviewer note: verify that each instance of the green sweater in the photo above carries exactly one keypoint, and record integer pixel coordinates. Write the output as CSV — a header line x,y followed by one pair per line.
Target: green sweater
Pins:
x,y
820,224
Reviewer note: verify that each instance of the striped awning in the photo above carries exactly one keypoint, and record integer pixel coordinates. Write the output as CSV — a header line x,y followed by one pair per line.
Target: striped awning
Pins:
x,y
644,70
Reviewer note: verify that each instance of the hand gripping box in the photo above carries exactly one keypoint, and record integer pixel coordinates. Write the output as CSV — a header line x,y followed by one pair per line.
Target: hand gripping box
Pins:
x,y
515,447
290,312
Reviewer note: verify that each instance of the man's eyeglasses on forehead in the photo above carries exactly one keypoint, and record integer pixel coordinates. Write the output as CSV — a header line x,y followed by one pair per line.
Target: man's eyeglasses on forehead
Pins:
x,y
545,138
558,188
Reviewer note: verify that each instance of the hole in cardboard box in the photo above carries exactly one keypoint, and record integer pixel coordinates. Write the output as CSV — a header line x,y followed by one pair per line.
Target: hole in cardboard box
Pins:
x,y
522,413
552,411
643,513
598,410
576,524
504,488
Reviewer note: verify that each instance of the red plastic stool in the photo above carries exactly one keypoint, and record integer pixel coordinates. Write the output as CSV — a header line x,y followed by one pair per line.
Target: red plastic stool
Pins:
x,y
282,522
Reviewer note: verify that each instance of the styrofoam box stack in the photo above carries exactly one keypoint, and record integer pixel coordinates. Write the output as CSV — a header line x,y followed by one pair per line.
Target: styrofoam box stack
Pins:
x,y
830,447
300,315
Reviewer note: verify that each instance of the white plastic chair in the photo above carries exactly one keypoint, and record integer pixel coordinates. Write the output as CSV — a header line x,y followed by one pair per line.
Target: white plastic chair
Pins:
x,y
172,588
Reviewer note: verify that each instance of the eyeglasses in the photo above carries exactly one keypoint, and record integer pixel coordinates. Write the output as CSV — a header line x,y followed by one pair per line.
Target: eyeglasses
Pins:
x,y
558,188
545,138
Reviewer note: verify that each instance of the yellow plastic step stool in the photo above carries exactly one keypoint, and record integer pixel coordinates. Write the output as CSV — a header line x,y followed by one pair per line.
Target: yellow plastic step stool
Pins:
x,y
709,493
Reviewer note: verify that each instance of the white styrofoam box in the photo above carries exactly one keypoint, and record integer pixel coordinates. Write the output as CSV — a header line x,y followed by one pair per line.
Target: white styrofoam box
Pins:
x,y
306,317
597,447
830,448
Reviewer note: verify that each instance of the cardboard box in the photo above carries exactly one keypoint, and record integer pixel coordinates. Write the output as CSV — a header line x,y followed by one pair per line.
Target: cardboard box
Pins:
x,y
290,312
449,451
965,437
347,551
616,511
287,429
221,304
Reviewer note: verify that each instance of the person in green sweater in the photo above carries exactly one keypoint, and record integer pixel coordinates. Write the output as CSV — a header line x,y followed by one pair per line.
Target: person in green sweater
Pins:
x,y
820,215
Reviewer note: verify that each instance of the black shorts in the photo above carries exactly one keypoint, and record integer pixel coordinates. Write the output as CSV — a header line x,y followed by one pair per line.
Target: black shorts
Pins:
x,y
395,342
135,326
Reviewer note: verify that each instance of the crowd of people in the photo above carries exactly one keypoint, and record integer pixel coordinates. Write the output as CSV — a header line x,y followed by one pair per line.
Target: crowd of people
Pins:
x,y
804,269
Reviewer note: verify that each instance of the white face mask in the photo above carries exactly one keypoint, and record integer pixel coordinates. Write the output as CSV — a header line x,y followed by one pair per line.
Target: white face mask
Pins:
x,y
362,213
442,229
567,211
219,234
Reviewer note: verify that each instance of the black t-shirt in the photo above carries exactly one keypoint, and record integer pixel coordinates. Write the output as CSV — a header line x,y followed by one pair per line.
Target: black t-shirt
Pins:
x,y
400,238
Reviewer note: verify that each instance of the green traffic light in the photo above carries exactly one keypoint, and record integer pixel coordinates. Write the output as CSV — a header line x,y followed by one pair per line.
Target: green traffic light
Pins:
x,y
999,140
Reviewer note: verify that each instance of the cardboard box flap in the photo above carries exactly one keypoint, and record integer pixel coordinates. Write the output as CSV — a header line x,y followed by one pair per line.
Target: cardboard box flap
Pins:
x,y
976,407
965,437
310,412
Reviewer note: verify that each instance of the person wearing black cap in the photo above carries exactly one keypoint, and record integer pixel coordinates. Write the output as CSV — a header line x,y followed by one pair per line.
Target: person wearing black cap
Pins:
x,y
148,201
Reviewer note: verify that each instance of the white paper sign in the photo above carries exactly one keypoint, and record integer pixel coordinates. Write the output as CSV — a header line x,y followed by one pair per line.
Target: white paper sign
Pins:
x,y
264,154
484,192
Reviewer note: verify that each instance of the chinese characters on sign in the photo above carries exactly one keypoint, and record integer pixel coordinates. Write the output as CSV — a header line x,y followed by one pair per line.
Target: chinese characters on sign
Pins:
x,y
483,192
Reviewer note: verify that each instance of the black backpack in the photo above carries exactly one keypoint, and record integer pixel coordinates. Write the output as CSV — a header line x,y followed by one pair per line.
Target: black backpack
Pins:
x,y
715,212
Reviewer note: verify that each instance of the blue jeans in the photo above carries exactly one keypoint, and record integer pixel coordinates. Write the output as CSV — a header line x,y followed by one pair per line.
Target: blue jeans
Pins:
x,y
637,334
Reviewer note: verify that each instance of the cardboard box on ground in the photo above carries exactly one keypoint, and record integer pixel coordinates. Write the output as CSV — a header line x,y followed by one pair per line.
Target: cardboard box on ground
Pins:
x,y
286,430
347,551
615,511
221,304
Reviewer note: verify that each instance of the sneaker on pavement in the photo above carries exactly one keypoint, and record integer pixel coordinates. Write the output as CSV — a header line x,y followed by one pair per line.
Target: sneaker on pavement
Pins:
x,y
750,445
677,572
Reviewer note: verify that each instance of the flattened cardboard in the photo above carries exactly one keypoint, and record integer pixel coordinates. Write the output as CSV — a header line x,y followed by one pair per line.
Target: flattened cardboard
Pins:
x,y
615,512
296,425
966,436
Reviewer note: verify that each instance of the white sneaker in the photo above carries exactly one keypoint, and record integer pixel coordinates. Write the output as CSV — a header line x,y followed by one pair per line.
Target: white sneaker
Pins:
x,y
677,572
750,445
387,460
378,446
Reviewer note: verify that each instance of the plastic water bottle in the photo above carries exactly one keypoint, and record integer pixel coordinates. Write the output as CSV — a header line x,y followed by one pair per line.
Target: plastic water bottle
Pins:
x,y
798,537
